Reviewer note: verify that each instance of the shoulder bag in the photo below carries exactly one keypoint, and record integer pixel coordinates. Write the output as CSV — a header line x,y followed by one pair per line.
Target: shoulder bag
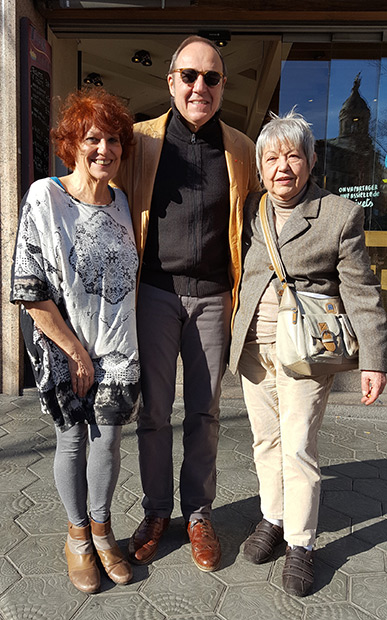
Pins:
x,y
314,335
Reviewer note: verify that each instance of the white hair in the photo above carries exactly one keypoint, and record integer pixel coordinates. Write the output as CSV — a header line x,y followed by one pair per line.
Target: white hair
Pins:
x,y
291,128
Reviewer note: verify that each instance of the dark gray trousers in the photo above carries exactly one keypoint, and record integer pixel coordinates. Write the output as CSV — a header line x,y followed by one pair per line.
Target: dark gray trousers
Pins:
x,y
198,329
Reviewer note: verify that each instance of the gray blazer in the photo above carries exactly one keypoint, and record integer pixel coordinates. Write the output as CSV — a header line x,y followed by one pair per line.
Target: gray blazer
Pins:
x,y
323,249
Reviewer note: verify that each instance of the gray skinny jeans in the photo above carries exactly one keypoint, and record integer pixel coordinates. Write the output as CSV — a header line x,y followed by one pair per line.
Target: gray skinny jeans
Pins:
x,y
75,475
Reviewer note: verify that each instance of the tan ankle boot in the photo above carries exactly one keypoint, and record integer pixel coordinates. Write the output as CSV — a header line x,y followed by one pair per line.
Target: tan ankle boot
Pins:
x,y
116,567
81,562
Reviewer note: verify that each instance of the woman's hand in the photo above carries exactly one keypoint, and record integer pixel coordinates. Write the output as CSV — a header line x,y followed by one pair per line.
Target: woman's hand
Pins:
x,y
372,385
48,318
81,371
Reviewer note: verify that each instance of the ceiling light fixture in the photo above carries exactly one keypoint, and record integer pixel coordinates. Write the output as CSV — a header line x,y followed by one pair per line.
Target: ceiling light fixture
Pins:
x,y
219,37
143,57
93,78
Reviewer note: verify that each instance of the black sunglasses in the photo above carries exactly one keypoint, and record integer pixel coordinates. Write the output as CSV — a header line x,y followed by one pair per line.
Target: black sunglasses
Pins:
x,y
189,76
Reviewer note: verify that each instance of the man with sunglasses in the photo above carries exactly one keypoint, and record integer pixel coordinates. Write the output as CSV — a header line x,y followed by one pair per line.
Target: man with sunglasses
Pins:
x,y
186,181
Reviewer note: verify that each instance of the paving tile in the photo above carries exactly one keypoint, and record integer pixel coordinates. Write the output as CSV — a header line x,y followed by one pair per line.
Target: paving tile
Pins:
x,y
231,416
46,516
13,476
329,585
336,612
174,548
33,527
122,527
43,469
324,461
232,529
129,440
355,469
6,404
249,507
118,607
8,575
40,555
19,424
334,482
198,617
20,447
239,433
376,489
369,593
133,484
330,519
352,556
4,418
241,572
130,462
382,446
266,602
182,590
239,481
52,597
48,431
226,443
245,447
353,504
331,450
236,402
355,442
14,504
223,497
229,459
371,432
11,535
372,531
123,500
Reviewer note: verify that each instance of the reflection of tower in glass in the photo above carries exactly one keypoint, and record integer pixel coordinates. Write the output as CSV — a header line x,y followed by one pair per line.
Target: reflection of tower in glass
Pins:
x,y
350,156
354,167
355,116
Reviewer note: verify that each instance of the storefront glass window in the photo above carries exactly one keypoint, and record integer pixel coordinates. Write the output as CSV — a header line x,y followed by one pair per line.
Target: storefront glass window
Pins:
x,y
342,90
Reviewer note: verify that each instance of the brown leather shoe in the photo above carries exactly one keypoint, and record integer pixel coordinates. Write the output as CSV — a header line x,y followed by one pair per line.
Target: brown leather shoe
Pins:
x,y
259,546
298,572
114,563
206,551
145,539
82,567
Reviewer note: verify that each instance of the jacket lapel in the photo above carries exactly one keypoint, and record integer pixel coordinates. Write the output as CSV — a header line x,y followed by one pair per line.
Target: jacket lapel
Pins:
x,y
298,222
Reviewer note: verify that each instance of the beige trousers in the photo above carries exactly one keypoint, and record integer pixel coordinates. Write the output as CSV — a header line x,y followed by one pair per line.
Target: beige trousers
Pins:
x,y
285,416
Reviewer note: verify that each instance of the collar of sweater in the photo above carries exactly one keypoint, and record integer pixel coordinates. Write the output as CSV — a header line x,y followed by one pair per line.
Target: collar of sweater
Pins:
x,y
288,204
177,127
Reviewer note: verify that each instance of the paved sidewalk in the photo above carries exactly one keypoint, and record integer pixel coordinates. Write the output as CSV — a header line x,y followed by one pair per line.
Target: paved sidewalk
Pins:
x,y
351,557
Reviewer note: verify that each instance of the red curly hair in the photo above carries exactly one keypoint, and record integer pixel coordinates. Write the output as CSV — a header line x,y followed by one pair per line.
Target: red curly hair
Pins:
x,y
86,108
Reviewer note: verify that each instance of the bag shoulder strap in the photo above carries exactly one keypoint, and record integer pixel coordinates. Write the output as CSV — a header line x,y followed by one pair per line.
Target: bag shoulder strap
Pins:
x,y
270,242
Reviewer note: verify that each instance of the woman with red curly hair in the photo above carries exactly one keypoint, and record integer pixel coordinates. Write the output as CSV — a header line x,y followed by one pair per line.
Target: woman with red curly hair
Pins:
x,y
74,273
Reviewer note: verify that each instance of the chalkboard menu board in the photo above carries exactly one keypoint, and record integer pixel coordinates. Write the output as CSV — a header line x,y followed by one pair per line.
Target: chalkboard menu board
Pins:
x,y
35,104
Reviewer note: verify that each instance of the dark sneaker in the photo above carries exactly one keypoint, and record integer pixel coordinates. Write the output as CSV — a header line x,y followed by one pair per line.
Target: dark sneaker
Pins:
x,y
298,573
259,546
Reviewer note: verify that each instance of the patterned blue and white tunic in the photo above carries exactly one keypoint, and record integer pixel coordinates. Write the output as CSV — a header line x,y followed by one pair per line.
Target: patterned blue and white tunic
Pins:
x,y
84,258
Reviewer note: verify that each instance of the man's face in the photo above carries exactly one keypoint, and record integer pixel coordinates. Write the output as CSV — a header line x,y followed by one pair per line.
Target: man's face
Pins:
x,y
197,102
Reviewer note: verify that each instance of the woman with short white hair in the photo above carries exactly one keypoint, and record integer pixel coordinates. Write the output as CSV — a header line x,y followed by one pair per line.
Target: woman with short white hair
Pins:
x,y
320,238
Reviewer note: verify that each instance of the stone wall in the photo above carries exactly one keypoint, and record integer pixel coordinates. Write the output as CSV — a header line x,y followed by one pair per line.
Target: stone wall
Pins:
x,y
11,348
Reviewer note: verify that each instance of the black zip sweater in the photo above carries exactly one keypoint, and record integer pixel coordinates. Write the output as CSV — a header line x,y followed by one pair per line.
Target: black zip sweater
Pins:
x,y
187,247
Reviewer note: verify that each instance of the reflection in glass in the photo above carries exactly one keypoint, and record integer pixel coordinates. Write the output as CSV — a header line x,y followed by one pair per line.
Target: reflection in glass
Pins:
x,y
342,92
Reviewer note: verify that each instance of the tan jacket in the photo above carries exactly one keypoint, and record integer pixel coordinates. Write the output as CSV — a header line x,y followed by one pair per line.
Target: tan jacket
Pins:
x,y
137,176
